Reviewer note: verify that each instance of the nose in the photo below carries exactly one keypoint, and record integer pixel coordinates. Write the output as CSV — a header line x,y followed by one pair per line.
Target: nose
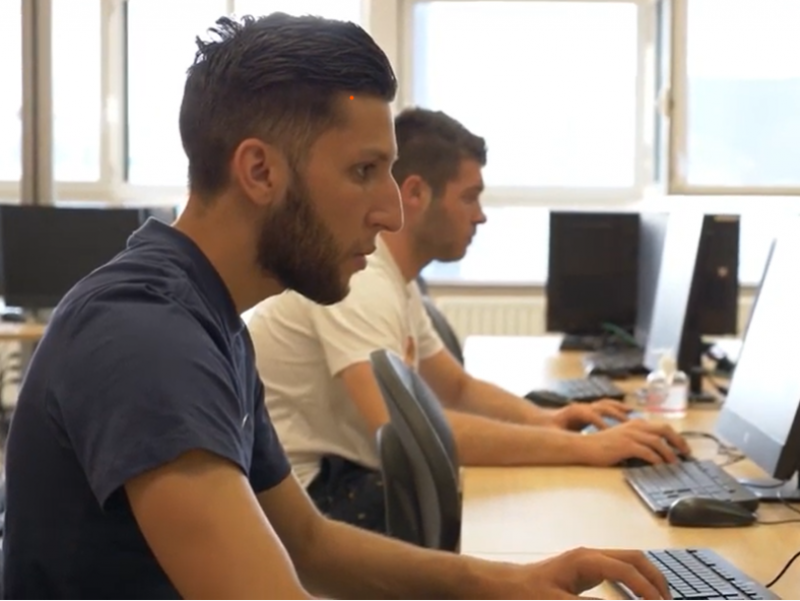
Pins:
x,y
387,211
480,218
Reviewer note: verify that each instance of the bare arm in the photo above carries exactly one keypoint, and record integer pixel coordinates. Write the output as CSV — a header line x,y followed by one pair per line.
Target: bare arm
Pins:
x,y
456,389
208,532
483,441
345,562
480,440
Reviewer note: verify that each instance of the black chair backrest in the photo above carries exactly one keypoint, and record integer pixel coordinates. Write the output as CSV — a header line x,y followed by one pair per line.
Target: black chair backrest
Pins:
x,y
418,419
403,520
444,329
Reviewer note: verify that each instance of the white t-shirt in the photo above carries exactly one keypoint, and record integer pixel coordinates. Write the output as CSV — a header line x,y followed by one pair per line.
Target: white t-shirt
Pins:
x,y
301,346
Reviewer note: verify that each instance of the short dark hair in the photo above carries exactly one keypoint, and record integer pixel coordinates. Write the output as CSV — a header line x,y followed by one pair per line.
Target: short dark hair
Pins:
x,y
431,144
277,78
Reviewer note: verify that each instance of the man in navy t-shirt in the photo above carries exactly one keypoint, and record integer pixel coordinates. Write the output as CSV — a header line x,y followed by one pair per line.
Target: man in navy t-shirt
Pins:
x,y
141,462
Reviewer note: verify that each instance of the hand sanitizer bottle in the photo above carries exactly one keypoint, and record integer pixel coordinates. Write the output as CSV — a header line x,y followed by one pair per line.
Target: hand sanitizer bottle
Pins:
x,y
667,391
677,399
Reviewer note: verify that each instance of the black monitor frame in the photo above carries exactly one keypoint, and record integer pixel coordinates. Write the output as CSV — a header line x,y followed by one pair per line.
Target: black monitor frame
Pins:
x,y
113,222
690,233
572,299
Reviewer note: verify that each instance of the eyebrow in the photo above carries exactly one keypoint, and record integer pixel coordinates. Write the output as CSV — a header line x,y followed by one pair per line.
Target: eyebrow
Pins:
x,y
477,188
379,155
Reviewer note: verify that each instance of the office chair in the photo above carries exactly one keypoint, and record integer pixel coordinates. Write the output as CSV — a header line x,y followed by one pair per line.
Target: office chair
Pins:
x,y
403,520
444,329
418,419
440,323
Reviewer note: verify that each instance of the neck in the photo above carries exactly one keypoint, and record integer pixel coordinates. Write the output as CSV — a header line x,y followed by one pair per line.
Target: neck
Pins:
x,y
405,253
228,242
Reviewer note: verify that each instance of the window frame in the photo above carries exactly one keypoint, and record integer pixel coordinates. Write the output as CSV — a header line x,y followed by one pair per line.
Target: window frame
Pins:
x,y
553,196
128,192
678,184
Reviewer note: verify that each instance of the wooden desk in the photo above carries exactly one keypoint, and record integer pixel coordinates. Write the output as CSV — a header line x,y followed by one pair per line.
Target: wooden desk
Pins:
x,y
21,332
533,511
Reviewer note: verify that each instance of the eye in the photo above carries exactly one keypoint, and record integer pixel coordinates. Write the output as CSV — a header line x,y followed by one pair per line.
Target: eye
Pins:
x,y
365,171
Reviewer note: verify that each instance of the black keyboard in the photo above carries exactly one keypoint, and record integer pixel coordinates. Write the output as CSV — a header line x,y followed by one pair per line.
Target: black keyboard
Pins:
x,y
703,574
616,363
584,342
661,485
587,389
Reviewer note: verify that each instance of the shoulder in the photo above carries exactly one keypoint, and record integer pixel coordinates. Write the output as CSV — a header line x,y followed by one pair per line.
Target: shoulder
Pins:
x,y
147,315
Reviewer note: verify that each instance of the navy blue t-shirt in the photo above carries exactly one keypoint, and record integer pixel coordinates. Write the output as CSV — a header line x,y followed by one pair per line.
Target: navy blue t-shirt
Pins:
x,y
143,360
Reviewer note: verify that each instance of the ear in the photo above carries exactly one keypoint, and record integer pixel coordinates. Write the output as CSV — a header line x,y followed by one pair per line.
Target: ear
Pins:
x,y
260,171
415,192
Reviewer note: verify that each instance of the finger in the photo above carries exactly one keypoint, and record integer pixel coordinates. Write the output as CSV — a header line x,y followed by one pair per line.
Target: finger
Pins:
x,y
642,451
675,439
633,573
594,418
644,566
618,412
659,445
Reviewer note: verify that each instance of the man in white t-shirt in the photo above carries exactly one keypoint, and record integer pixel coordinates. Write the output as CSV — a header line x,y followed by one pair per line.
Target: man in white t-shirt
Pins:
x,y
314,360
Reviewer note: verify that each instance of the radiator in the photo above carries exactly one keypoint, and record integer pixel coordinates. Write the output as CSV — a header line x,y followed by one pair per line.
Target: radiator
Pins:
x,y
494,315
517,316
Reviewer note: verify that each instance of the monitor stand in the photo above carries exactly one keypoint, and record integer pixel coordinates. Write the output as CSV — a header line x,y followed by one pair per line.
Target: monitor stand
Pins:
x,y
769,490
698,396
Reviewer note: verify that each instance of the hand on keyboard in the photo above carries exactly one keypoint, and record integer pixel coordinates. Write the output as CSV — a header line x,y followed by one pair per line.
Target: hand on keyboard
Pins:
x,y
652,442
567,575
579,415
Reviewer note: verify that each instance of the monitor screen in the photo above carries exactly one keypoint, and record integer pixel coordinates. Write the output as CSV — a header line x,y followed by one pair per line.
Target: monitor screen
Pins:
x,y
760,414
45,250
674,286
688,283
652,233
592,271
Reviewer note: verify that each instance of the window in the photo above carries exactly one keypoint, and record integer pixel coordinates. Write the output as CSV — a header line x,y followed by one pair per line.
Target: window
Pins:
x,y
77,96
343,10
11,97
161,47
511,247
552,86
741,96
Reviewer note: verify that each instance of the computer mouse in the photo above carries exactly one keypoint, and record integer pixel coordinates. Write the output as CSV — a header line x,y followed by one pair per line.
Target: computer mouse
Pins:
x,y
700,512
547,398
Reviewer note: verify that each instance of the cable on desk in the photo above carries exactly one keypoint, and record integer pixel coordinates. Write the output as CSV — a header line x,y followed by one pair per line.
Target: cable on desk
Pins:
x,y
783,571
776,522
731,454
783,501
619,332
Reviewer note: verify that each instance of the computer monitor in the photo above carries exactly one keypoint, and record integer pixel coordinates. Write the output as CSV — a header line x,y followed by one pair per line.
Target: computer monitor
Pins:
x,y
696,287
592,271
761,414
45,250
652,234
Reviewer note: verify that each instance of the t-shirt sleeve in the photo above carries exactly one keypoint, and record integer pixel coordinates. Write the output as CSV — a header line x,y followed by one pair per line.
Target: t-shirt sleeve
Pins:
x,y
371,317
270,464
142,383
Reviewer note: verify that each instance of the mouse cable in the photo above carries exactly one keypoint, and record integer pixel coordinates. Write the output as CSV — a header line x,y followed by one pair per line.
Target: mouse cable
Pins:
x,y
783,571
731,453
785,504
776,522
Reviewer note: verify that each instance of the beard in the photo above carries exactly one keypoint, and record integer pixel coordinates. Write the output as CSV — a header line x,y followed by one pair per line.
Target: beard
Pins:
x,y
297,248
